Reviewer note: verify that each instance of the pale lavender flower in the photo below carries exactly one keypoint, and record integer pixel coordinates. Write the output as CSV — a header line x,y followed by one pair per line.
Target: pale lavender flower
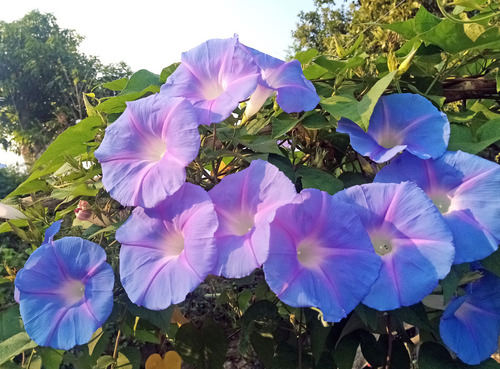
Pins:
x,y
245,203
144,152
169,250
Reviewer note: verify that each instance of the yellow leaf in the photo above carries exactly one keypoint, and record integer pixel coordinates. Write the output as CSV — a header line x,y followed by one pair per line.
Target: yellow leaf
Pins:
x,y
171,360
178,318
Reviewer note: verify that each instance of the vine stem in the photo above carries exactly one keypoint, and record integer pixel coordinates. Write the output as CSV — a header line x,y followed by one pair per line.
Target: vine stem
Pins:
x,y
390,338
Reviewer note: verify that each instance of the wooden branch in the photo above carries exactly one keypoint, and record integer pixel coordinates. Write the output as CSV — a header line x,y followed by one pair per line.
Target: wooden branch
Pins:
x,y
469,88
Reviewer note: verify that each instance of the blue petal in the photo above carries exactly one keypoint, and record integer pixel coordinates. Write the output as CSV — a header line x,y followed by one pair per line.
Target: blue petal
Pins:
x,y
421,250
470,325
320,255
50,318
471,183
215,76
365,144
52,231
423,128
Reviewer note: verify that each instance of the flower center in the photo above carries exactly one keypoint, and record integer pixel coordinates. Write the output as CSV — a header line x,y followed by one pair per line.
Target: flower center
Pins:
x,y
389,139
174,244
308,253
242,224
155,149
211,90
73,291
381,244
441,200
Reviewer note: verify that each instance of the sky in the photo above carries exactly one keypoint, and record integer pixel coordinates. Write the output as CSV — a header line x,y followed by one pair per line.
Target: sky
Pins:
x,y
153,34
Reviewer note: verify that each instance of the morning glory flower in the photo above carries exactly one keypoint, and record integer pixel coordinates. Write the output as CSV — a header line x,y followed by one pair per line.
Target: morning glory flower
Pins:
x,y
65,291
9,212
214,76
245,203
145,151
294,93
169,250
400,122
411,237
470,325
464,187
320,255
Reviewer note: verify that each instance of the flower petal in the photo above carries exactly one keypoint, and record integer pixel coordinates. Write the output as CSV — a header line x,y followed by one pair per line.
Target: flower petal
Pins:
x,y
409,234
215,76
245,203
470,325
145,152
320,255
168,251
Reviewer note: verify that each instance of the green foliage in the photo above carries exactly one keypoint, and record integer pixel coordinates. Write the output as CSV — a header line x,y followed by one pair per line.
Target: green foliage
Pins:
x,y
42,79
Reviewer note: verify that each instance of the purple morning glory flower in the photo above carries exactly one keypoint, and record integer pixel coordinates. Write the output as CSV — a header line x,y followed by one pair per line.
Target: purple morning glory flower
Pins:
x,y
169,250
245,203
214,76
320,255
145,152
399,122
470,325
411,237
294,92
65,292
464,187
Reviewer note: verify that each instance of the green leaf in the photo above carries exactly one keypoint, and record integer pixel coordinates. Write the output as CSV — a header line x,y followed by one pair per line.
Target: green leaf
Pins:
x,y
315,178
371,349
333,66
400,358
205,348
314,71
10,322
118,104
160,319
72,142
345,352
15,345
317,121
104,361
128,358
141,80
492,263
264,347
414,315
116,85
167,71
342,107
433,355
260,144
282,124
462,138
51,358
318,333
367,104
305,57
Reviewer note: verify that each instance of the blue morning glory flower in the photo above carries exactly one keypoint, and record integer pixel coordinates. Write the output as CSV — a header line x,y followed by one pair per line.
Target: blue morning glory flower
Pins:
x,y
65,291
400,122
464,188
470,325
320,255
411,237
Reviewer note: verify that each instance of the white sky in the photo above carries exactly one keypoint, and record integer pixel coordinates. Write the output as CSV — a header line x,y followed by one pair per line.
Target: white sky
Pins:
x,y
153,34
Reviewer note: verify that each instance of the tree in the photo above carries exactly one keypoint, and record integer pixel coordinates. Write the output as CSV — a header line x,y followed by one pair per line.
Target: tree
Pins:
x,y
330,24
42,80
